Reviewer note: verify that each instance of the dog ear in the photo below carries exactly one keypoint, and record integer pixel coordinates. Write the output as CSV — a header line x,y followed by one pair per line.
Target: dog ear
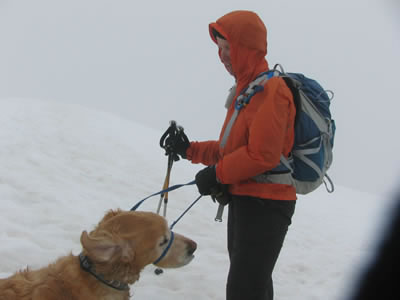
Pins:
x,y
100,248
128,254
111,214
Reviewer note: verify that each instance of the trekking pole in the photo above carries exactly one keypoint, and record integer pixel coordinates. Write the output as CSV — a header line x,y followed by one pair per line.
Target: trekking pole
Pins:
x,y
164,196
220,212
170,133
170,161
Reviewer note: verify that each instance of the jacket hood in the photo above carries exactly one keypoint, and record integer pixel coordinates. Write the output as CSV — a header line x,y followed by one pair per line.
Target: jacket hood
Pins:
x,y
247,38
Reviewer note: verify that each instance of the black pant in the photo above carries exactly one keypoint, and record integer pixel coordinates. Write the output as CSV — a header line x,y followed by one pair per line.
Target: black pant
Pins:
x,y
256,230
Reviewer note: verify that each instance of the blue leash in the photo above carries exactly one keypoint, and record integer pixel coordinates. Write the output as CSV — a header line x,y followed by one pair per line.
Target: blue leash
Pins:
x,y
171,240
184,213
171,188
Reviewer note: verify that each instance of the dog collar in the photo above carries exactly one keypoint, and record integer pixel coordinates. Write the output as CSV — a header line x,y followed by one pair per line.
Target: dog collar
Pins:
x,y
87,266
166,249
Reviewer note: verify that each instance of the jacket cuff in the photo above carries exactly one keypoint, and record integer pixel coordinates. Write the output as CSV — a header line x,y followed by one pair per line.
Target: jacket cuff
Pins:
x,y
189,152
218,173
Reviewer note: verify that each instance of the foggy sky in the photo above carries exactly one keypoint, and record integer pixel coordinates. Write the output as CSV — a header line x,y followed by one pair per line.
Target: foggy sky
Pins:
x,y
153,61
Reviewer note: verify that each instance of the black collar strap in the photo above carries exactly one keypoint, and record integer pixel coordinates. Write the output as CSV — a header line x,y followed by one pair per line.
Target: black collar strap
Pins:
x,y
87,266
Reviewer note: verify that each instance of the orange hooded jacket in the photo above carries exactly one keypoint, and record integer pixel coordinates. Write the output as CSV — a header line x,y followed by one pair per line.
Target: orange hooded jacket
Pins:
x,y
264,129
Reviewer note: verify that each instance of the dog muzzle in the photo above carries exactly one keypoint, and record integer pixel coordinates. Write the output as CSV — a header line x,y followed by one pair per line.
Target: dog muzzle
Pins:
x,y
171,240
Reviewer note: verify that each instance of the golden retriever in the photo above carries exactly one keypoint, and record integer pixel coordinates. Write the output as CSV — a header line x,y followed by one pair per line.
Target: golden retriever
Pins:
x,y
113,256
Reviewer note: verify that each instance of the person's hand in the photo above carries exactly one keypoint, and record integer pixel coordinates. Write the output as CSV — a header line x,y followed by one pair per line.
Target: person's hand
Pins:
x,y
177,144
221,194
174,141
206,181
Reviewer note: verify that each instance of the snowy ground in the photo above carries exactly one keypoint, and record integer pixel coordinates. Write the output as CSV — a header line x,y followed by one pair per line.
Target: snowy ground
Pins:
x,y
64,166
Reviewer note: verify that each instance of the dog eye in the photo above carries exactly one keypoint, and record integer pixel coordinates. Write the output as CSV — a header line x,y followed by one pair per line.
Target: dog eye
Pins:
x,y
165,241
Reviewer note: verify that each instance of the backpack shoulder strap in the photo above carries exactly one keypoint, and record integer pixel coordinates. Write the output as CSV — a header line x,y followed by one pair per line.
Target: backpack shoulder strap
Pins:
x,y
244,98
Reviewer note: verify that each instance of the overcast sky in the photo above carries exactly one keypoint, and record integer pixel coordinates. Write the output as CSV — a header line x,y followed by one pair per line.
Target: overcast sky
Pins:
x,y
153,61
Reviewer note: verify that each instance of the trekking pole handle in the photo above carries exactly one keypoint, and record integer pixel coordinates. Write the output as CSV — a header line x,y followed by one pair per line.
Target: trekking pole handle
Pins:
x,y
171,130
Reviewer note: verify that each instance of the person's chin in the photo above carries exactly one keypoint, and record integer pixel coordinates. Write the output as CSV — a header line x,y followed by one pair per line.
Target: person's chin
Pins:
x,y
230,71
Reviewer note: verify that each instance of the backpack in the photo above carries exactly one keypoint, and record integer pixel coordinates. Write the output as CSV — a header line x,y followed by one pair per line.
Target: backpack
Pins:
x,y
311,155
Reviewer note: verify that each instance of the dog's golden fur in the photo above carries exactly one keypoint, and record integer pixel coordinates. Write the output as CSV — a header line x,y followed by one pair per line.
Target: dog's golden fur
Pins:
x,y
120,246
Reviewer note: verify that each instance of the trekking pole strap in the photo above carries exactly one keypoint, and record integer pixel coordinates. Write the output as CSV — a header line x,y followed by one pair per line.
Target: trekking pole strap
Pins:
x,y
171,188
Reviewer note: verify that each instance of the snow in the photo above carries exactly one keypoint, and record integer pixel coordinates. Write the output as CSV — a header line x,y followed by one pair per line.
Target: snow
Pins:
x,y
63,166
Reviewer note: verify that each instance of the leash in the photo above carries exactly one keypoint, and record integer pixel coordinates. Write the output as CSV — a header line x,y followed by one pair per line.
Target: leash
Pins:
x,y
173,235
169,189
184,213
159,271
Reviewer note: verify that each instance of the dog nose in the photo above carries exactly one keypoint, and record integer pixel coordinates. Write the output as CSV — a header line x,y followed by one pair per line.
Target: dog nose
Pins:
x,y
192,246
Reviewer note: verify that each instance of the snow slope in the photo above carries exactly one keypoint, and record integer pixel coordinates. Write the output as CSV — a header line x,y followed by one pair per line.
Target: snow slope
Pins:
x,y
63,166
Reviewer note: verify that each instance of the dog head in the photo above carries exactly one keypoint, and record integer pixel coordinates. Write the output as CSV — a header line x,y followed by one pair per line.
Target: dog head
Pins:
x,y
124,242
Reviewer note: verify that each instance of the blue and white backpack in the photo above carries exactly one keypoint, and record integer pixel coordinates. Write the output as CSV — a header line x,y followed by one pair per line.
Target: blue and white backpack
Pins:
x,y
311,156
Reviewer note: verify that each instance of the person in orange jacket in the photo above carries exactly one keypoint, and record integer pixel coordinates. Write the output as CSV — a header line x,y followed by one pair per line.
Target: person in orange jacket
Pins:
x,y
260,211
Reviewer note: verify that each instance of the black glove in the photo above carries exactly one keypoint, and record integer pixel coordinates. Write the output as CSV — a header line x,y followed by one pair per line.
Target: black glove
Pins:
x,y
220,194
174,141
206,181
177,144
